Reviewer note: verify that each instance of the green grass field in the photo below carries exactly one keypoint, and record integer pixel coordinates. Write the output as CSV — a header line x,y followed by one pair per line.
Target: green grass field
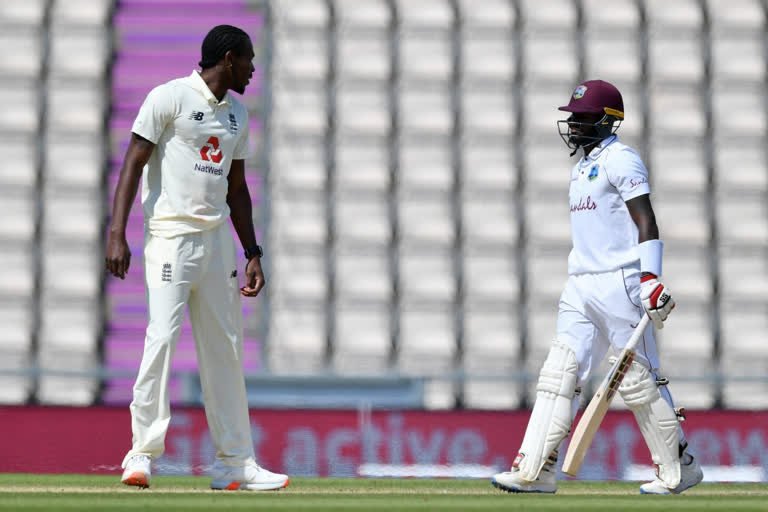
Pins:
x,y
98,492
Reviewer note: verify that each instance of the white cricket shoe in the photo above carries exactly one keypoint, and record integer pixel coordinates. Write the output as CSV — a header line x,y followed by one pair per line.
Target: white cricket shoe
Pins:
x,y
510,481
690,475
250,477
138,471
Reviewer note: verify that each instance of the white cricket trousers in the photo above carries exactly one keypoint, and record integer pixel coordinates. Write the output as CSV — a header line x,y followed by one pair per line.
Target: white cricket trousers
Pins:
x,y
597,311
198,271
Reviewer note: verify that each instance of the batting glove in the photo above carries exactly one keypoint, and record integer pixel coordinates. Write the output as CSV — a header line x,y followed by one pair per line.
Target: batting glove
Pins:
x,y
656,299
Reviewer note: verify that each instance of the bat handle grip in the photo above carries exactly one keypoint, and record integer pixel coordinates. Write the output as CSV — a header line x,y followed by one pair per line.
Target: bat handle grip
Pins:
x,y
637,334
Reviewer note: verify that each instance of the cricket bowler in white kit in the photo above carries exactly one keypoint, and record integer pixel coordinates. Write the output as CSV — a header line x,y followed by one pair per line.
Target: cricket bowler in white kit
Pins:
x,y
189,142
614,278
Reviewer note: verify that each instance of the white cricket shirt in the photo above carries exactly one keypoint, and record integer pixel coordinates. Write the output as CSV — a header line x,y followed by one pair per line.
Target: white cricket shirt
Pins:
x,y
184,187
603,233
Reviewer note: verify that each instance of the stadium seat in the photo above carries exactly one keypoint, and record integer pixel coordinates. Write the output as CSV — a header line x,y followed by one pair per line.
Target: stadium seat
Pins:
x,y
622,17
299,218
491,278
297,341
81,12
669,207
18,224
363,276
683,17
489,220
677,165
22,50
738,60
23,173
488,166
363,219
425,166
301,13
552,214
22,115
90,44
362,341
299,57
362,110
425,219
23,12
738,111
431,14
425,112
614,59
741,167
491,59
427,342
489,111
425,58
300,275
426,275
546,274
362,165
741,219
298,164
686,269
363,58
553,15
736,16
550,59
675,60
363,14
15,348
17,272
743,274
489,14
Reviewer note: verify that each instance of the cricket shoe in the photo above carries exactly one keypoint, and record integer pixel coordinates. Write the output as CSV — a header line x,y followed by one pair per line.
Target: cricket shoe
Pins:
x,y
510,481
690,475
250,477
138,471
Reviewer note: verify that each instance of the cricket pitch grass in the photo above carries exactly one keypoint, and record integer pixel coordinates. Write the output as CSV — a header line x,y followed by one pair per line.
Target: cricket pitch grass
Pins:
x,y
25,492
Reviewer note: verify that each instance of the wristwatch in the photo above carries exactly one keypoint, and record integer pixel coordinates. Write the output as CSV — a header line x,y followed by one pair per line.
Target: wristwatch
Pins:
x,y
254,251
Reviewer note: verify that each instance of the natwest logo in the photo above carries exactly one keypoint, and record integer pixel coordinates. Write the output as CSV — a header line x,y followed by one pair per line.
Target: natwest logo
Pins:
x,y
211,152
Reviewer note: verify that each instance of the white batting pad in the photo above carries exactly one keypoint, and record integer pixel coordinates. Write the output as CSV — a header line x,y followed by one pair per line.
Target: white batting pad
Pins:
x,y
551,416
657,421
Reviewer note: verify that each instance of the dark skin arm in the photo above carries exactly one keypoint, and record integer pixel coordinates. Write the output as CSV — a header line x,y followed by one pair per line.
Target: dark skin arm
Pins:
x,y
241,213
118,255
641,211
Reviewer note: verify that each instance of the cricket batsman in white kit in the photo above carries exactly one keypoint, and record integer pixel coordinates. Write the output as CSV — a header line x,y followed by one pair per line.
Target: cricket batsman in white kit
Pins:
x,y
614,278
189,142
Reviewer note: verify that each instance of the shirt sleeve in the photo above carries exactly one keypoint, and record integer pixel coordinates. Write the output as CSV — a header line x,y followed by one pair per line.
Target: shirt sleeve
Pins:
x,y
628,174
156,112
243,147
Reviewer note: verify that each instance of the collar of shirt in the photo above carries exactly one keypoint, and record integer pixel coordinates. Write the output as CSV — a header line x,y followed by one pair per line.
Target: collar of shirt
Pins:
x,y
198,83
595,153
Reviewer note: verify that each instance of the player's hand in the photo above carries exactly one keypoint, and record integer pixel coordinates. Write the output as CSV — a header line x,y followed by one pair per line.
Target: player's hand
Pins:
x,y
118,256
656,299
254,278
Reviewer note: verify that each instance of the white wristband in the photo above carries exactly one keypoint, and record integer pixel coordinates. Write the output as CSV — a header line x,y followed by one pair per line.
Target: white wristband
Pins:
x,y
650,256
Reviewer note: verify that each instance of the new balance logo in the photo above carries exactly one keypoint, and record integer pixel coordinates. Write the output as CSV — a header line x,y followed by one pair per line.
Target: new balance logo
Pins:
x,y
233,274
196,116
166,275
232,122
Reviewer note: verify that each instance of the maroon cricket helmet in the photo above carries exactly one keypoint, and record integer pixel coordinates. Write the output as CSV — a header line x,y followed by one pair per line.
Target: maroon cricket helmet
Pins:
x,y
596,97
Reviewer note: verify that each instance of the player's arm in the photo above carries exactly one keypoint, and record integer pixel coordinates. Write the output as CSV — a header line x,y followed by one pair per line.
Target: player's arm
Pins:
x,y
656,298
118,255
241,213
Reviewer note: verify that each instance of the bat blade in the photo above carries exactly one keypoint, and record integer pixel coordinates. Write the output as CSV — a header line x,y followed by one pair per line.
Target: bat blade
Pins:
x,y
593,415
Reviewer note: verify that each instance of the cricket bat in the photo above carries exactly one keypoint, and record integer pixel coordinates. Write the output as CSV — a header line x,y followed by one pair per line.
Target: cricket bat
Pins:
x,y
595,412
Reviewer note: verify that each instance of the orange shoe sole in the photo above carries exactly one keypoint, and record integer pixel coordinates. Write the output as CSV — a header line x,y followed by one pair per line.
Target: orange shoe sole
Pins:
x,y
137,479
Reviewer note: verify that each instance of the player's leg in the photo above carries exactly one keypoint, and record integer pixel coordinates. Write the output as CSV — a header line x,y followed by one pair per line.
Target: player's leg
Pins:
x,y
645,393
167,267
216,318
568,363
